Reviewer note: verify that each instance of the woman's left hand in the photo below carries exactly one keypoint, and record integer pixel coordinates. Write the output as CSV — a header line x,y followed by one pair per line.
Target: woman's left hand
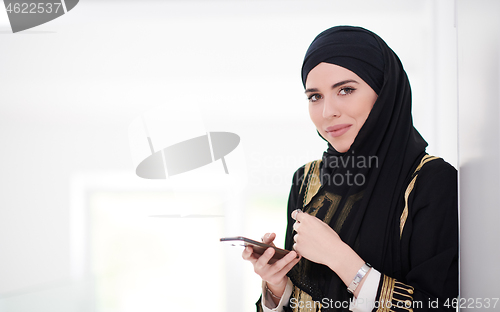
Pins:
x,y
317,241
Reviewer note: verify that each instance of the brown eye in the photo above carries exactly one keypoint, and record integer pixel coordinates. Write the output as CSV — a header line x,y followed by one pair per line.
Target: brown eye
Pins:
x,y
346,91
314,97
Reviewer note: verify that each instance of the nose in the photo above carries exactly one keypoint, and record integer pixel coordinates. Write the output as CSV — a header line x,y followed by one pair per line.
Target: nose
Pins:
x,y
330,108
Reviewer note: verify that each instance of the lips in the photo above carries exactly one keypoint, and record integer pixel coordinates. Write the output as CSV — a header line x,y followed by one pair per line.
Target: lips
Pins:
x,y
338,130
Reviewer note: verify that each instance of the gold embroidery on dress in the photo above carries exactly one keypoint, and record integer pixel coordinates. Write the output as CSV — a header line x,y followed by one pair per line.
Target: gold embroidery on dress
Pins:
x,y
391,289
306,172
346,210
326,199
404,215
335,201
385,299
302,301
313,183
402,296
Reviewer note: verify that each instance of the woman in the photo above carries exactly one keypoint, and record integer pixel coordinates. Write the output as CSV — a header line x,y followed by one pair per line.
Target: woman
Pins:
x,y
378,219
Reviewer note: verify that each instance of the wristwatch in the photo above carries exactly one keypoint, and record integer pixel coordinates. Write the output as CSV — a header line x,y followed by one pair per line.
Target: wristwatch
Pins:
x,y
359,276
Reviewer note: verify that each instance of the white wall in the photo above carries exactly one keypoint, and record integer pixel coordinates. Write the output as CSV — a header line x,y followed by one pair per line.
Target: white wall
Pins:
x,y
479,142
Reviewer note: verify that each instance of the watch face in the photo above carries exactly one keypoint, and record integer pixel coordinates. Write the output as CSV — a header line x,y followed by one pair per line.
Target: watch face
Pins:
x,y
359,276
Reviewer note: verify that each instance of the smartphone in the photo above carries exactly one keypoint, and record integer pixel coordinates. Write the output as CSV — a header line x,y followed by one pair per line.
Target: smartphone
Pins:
x,y
258,247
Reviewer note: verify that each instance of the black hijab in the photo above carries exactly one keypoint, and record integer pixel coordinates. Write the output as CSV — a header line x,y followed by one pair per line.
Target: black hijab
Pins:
x,y
371,225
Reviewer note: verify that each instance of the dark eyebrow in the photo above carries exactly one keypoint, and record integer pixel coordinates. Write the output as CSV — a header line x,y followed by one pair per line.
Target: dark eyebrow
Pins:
x,y
338,84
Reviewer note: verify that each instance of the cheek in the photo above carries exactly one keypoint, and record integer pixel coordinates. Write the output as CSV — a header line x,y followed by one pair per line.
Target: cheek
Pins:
x,y
316,115
364,110
311,114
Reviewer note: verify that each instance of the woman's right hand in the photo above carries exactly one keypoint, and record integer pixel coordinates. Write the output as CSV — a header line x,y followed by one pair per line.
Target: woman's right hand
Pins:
x,y
273,274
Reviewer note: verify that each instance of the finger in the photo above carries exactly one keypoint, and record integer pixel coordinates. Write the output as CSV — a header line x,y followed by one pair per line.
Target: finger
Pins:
x,y
296,226
295,237
300,215
290,265
265,237
284,261
290,261
247,254
247,251
295,213
269,238
264,258
280,264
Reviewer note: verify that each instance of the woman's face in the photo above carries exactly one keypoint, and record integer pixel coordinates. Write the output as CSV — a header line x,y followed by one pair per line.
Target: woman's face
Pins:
x,y
339,103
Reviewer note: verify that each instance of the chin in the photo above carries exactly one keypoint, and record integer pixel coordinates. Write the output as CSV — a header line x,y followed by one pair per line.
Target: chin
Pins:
x,y
340,148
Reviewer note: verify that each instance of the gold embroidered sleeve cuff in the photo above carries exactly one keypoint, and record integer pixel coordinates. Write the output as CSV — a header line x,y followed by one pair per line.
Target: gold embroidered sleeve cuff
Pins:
x,y
394,296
